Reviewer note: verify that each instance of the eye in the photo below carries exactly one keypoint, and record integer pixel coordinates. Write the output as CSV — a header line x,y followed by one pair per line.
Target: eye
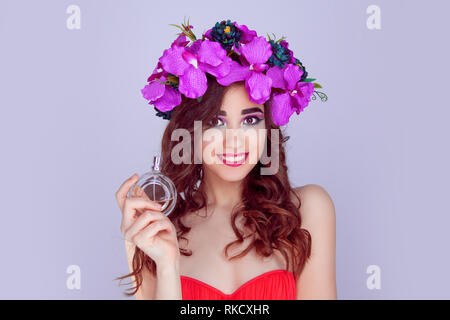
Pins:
x,y
216,122
252,120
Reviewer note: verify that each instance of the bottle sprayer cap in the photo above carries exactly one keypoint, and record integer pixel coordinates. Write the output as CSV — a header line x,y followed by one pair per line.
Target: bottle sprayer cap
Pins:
x,y
156,162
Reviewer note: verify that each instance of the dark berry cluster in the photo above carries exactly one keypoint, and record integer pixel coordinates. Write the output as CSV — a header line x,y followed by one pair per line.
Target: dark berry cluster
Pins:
x,y
305,74
280,55
226,34
165,115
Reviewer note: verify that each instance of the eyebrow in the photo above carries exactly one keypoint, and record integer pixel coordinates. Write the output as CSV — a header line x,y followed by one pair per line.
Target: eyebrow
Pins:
x,y
244,111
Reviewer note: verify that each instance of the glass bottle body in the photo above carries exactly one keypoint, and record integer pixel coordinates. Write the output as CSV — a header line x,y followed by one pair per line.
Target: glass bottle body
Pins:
x,y
156,187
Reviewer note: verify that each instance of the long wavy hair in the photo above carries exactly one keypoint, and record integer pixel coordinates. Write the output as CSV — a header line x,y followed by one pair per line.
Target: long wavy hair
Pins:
x,y
266,202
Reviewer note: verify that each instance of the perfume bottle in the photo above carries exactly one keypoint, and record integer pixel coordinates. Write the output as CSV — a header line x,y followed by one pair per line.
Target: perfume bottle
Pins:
x,y
156,187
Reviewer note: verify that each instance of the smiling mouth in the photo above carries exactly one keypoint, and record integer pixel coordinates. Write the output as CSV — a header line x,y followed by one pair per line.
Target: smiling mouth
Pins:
x,y
233,160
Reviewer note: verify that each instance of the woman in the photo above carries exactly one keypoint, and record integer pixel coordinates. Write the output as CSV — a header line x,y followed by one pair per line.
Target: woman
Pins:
x,y
235,233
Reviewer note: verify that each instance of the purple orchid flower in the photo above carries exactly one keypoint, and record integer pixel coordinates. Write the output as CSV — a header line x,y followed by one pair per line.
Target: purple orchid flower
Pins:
x,y
247,35
157,72
191,63
180,41
296,96
164,97
254,56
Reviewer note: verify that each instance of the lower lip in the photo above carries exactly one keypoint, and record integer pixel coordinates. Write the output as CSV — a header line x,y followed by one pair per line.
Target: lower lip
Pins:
x,y
233,164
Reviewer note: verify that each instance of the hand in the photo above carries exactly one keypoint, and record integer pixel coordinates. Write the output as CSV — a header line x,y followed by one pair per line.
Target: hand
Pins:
x,y
145,226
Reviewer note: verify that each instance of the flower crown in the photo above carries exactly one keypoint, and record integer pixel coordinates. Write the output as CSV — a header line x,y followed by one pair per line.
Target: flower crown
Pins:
x,y
231,53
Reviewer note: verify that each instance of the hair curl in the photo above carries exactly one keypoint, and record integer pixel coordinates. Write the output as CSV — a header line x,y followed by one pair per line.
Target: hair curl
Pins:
x,y
266,199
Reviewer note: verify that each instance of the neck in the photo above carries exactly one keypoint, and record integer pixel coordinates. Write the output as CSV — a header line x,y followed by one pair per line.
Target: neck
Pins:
x,y
221,193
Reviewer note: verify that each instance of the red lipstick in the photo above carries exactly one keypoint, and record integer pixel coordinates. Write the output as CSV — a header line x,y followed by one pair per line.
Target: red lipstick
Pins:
x,y
233,159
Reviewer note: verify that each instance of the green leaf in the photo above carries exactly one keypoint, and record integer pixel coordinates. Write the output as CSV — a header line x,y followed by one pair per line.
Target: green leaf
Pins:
x,y
281,39
309,80
316,85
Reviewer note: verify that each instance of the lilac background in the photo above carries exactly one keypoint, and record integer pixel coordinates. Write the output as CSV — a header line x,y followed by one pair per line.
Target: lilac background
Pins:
x,y
74,126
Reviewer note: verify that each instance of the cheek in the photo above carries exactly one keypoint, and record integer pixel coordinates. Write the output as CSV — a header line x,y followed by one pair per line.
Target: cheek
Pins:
x,y
212,144
262,139
256,141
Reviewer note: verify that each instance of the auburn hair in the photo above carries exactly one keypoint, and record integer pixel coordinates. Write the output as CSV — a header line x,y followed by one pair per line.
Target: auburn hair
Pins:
x,y
266,202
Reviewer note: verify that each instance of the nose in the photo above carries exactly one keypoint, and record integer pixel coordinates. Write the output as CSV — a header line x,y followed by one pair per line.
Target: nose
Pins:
x,y
234,140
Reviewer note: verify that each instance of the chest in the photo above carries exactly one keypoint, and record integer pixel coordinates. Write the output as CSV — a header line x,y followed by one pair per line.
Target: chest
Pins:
x,y
208,263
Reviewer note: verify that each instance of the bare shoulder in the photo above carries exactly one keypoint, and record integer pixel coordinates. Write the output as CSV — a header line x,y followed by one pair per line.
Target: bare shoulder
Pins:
x,y
316,204
318,278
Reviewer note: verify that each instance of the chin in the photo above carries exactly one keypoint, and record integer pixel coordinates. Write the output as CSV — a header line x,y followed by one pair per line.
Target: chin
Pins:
x,y
231,174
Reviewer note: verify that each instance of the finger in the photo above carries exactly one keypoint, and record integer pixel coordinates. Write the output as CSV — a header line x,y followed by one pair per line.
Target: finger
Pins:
x,y
137,192
132,205
153,229
141,222
121,194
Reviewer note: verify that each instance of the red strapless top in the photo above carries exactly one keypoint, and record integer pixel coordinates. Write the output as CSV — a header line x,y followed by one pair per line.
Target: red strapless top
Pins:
x,y
272,285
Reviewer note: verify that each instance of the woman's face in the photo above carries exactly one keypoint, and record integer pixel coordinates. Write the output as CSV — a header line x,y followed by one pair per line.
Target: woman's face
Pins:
x,y
235,142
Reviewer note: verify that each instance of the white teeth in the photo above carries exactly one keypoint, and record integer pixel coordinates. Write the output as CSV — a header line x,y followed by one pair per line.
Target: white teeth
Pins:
x,y
234,159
